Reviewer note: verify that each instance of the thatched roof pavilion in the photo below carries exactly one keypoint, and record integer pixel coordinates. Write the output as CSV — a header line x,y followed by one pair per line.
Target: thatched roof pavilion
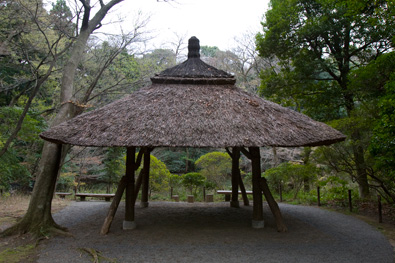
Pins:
x,y
196,105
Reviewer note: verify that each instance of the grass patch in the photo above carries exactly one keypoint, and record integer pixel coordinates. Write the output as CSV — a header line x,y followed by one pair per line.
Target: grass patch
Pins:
x,y
18,254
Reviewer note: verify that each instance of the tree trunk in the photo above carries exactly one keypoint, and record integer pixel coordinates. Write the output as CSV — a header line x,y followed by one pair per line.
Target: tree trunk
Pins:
x,y
362,175
38,218
39,215
358,152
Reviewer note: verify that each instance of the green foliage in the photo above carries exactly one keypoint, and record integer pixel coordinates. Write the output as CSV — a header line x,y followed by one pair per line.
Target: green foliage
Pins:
x,y
291,175
175,180
192,181
381,75
383,142
334,188
317,44
180,160
209,51
16,164
114,166
215,166
331,66
65,182
159,175
13,172
33,124
30,36
62,17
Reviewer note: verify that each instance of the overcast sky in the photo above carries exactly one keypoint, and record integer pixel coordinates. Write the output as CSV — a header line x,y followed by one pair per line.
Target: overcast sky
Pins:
x,y
214,22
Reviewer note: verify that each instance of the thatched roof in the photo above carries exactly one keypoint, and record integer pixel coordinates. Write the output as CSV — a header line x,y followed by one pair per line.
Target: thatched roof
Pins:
x,y
186,106
193,70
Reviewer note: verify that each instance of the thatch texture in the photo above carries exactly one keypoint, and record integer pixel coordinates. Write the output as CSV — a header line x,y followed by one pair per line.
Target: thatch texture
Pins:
x,y
193,105
193,68
193,116
194,71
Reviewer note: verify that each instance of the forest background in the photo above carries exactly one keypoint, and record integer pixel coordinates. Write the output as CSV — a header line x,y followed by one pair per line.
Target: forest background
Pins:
x,y
332,60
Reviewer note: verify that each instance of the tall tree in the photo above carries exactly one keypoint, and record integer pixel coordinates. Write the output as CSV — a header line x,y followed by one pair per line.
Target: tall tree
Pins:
x,y
36,49
319,44
38,216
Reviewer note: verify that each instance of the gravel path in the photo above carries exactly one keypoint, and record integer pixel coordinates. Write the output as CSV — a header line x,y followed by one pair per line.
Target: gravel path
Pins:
x,y
214,232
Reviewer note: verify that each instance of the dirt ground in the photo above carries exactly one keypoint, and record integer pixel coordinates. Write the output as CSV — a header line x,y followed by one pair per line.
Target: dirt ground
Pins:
x,y
181,232
20,248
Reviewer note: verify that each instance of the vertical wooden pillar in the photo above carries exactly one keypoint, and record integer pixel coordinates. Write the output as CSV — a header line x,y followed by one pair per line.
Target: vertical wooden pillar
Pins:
x,y
257,214
235,177
145,189
129,223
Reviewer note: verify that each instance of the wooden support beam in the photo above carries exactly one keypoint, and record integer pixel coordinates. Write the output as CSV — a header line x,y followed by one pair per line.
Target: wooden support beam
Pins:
x,y
273,205
137,186
120,190
129,223
240,181
235,177
146,169
138,160
114,206
246,152
257,214
243,191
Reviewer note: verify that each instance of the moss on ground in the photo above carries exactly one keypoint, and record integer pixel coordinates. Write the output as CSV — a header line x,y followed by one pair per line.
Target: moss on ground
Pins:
x,y
21,253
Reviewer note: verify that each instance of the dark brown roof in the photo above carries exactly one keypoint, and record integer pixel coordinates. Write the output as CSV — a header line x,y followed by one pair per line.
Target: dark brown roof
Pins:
x,y
193,115
193,70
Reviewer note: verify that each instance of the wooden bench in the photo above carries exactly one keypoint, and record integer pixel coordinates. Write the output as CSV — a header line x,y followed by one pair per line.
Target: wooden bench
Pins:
x,y
62,195
83,196
228,193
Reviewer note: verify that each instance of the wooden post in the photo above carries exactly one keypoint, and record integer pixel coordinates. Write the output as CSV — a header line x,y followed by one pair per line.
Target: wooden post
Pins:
x,y
145,189
257,211
349,200
171,192
137,186
235,177
318,196
380,209
273,206
209,198
114,206
118,195
129,223
243,192
204,194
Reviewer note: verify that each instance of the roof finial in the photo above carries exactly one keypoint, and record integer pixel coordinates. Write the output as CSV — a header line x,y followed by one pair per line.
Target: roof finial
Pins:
x,y
193,48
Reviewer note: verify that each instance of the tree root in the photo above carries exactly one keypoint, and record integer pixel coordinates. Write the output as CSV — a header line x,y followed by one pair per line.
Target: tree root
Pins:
x,y
40,231
96,255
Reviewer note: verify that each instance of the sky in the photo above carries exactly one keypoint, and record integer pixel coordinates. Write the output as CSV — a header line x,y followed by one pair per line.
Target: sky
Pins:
x,y
214,22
